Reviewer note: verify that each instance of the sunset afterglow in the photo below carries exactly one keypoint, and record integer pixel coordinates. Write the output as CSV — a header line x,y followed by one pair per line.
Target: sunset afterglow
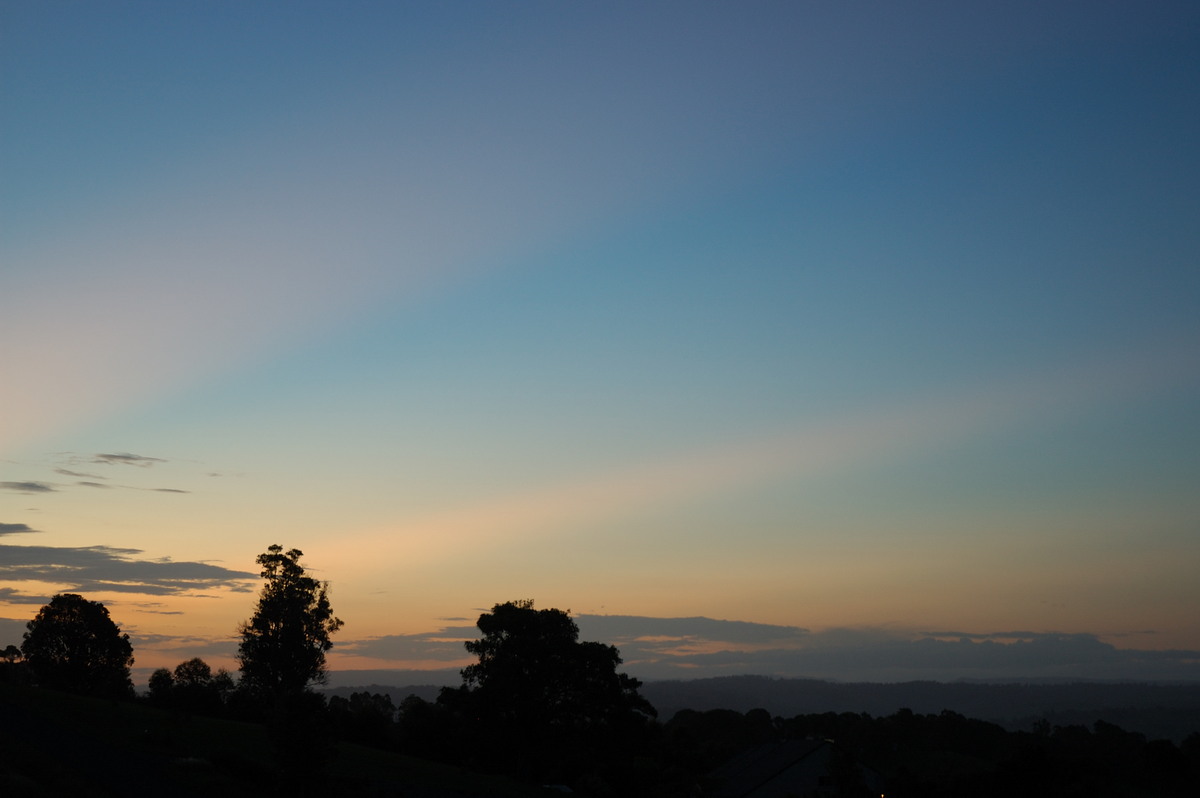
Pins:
x,y
843,340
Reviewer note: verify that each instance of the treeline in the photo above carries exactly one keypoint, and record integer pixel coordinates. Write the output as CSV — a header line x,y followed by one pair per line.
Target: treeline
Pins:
x,y
539,705
1157,710
935,755
544,707
948,754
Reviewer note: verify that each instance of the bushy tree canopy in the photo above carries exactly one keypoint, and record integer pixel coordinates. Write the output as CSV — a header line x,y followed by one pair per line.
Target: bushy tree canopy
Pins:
x,y
533,669
283,645
195,672
541,697
74,645
191,687
161,684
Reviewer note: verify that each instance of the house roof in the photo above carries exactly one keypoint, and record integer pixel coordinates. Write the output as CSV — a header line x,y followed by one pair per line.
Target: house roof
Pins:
x,y
752,769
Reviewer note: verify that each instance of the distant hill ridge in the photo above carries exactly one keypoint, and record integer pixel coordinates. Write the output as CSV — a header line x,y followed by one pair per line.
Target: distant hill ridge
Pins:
x,y
1166,711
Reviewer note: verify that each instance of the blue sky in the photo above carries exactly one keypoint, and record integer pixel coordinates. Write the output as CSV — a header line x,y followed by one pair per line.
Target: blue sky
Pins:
x,y
817,316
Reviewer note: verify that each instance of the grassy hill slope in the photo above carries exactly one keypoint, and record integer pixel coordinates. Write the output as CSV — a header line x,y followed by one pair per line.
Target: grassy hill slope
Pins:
x,y
54,744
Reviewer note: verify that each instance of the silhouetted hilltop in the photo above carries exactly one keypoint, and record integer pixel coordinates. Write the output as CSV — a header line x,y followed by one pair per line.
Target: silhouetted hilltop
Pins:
x,y
426,692
1169,711
444,677
1156,710
396,684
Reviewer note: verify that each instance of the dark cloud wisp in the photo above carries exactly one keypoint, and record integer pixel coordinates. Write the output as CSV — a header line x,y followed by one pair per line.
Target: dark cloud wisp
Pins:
x,y
688,648
81,470
138,460
15,529
27,487
444,645
94,569
66,472
10,595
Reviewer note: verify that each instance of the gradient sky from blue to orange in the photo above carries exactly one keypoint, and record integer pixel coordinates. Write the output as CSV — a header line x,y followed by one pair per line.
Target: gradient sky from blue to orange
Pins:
x,y
814,316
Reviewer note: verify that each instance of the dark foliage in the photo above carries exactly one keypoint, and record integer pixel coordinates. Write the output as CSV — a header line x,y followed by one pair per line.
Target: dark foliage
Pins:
x,y
365,718
73,645
948,754
540,704
281,654
1156,710
428,730
700,739
161,685
192,687
283,646
58,745
12,668
935,755
302,733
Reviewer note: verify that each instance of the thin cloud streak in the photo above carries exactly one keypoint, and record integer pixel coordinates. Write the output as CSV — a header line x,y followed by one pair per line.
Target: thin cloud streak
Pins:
x,y
66,472
27,487
66,463
137,460
10,595
185,646
100,569
674,648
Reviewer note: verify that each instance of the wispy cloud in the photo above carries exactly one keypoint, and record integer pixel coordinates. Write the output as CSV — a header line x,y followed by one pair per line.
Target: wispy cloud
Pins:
x,y
10,595
77,474
674,648
618,629
15,529
189,645
138,460
66,464
27,487
103,486
153,608
886,655
444,645
96,569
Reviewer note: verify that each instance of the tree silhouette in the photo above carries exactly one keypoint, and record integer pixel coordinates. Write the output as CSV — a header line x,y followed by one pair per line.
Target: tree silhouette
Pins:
x,y
282,653
283,645
194,687
74,645
195,672
161,685
367,718
11,667
546,704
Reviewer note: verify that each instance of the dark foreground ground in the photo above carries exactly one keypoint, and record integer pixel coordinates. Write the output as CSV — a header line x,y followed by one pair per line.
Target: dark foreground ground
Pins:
x,y
54,744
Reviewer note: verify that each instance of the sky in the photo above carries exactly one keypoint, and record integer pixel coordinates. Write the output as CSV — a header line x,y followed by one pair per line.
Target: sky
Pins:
x,y
843,340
